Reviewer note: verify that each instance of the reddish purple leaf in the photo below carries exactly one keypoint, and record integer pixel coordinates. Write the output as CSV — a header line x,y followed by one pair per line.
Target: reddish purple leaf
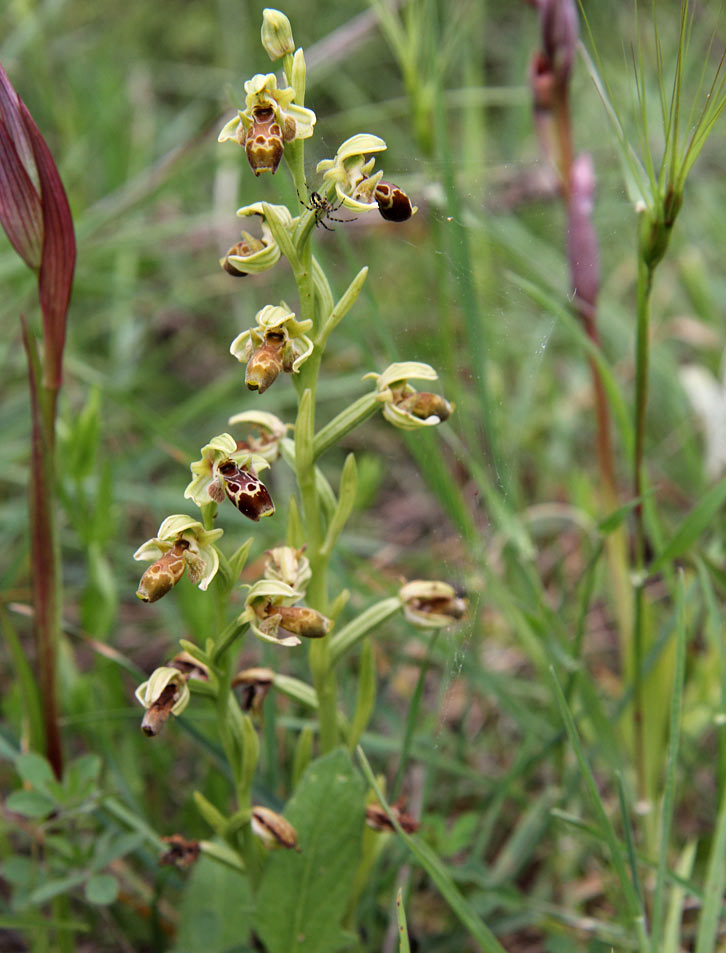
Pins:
x,y
35,214
59,253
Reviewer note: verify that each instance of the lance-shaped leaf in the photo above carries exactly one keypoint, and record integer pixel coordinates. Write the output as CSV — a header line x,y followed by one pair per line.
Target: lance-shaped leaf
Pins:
x,y
35,214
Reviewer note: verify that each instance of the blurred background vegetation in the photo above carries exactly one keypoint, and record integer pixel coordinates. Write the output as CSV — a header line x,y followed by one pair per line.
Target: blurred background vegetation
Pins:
x,y
130,98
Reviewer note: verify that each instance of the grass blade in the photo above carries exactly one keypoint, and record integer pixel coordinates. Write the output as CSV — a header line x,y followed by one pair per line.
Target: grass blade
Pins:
x,y
634,907
437,871
674,737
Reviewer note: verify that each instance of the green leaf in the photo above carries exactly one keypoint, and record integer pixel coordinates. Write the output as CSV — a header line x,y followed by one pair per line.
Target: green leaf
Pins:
x,y
214,910
30,804
101,889
303,754
691,528
303,897
35,769
344,507
216,820
403,946
708,923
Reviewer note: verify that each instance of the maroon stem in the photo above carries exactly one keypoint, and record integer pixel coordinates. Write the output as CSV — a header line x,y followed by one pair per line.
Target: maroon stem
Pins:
x,y
46,583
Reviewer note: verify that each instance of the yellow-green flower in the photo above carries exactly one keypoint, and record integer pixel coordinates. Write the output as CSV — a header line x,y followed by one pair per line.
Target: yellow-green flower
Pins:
x,y
269,609
182,543
403,405
357,187
269,120
277,343
221,462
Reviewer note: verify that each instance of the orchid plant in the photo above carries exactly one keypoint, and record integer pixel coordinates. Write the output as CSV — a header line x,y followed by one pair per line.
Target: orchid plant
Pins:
x,y
290,603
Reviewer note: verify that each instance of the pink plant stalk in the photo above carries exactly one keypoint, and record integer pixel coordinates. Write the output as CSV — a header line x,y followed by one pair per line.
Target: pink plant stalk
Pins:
x,y
35,214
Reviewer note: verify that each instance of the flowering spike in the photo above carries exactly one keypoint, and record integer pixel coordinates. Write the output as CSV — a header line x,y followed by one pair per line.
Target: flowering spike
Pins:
x,y
248,493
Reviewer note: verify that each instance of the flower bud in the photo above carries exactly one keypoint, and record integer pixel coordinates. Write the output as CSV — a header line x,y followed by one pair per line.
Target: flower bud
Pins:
x,y
164,574
255,684
182,853
276,34
248,493
165,693
559,27
424,405
272,829
393,203
266,363
288,565
432,605
301,621
264,143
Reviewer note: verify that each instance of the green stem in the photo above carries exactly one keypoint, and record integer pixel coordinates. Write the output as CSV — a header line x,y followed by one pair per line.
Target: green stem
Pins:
x,y
644,287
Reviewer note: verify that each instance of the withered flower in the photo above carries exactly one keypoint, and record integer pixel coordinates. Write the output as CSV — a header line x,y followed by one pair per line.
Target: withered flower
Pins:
x,y
270,431
165,693
432,604
273,830
189,666
182,853
377,818
255,684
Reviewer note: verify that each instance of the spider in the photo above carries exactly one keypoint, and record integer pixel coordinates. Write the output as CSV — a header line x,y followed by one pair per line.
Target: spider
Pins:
x,y
322,208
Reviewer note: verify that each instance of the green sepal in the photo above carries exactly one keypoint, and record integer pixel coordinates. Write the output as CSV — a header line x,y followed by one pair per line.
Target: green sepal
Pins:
x,y
304,434
295,531
238,820
366,696
216,820
324,296
223,854
297,690
346,502
303,754
250,757
328,502
344,640
338,604
238,560
350,418
346,302
280,233
199,654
